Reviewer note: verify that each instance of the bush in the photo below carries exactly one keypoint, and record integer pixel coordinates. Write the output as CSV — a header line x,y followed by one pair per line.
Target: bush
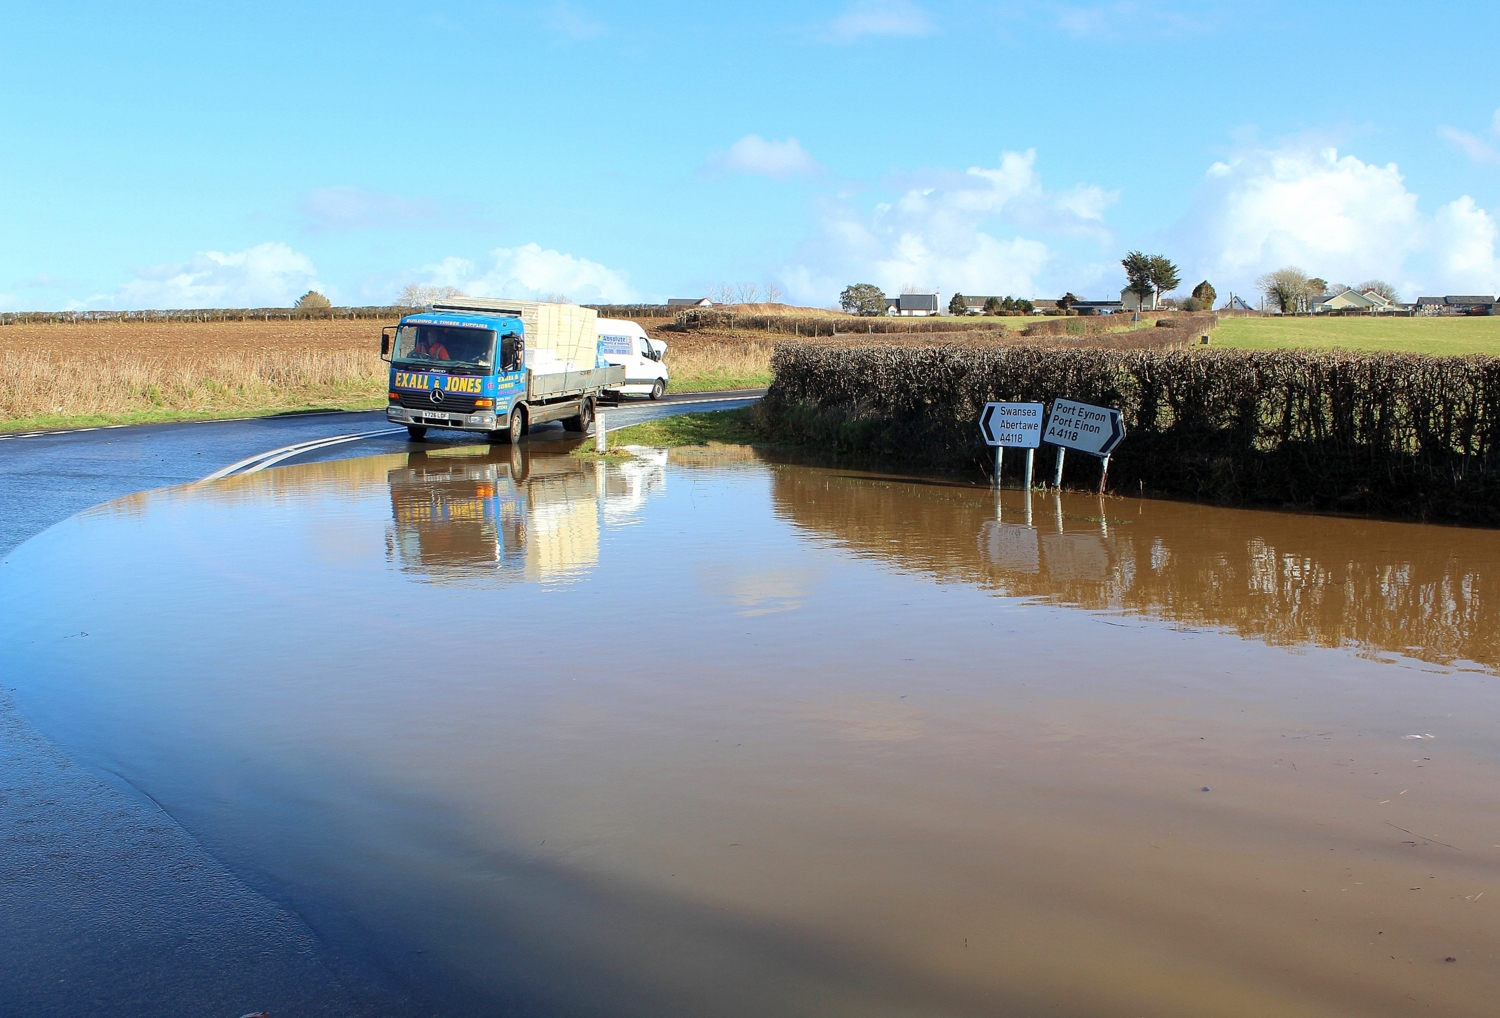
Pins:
x,y
1394,434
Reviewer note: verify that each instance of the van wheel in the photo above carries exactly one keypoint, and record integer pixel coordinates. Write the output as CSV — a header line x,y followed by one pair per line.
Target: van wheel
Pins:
x,y
416,431
658,387
517,429
585,417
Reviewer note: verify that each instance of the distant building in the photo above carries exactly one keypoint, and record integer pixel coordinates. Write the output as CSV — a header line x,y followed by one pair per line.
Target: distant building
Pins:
x,y
1461,304
1236,303
689,302
976,304
1352,300
1042,304
912,304
1099,307
1132,301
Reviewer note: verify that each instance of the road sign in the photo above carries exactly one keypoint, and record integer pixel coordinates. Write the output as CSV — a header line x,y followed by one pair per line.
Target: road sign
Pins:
x,y
1017,425
1095,430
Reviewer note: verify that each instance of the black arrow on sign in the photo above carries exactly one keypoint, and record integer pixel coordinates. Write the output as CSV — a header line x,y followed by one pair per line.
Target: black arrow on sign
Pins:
x,y
984,425
1116,433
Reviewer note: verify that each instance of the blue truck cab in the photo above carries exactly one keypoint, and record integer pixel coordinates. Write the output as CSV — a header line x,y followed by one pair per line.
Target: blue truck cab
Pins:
x,y
467,369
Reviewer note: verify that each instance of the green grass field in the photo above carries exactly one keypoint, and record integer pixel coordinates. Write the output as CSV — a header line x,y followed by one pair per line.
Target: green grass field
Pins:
x,y
1442,336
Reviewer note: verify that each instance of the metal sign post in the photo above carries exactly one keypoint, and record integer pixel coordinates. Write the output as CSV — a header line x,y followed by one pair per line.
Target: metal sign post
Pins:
x,y
1013,425
601,433
1030,456
1095,430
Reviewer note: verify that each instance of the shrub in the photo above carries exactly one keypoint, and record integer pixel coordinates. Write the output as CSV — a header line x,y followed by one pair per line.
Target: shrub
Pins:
x,y
1393,434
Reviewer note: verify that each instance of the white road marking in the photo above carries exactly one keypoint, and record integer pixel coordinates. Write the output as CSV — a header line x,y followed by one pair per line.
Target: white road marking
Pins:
x,y
258,462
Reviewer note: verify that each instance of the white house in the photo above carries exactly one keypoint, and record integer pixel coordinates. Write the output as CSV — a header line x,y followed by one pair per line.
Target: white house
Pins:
x,y
1351,300
689,302
913,304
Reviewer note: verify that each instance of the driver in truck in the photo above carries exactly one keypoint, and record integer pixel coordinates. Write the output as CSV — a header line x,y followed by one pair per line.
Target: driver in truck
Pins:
x,y
430,349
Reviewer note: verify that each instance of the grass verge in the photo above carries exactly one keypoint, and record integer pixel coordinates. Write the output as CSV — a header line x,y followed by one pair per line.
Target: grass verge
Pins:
x,y
711,427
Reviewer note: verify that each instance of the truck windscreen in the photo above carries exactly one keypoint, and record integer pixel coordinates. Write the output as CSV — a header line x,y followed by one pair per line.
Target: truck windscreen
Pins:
x,y
443,345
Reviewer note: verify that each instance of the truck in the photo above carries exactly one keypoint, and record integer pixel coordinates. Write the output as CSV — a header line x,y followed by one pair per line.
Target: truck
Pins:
x,y
496,366
625,343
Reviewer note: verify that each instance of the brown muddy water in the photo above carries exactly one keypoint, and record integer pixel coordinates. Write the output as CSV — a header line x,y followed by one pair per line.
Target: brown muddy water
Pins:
x,y
713,735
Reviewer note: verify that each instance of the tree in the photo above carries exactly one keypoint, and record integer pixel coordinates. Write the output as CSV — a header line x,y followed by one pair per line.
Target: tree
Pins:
x,y
1024,306
418,295
957,305
555,298
1381,287
1317,286
747,293
1204,294
313,299
774,293
1138,274
723,293
863,299
1066,301
994,305
1287,287
1163,276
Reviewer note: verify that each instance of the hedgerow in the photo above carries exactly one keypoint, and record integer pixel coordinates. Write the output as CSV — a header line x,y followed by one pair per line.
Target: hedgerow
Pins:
x,y
1399,435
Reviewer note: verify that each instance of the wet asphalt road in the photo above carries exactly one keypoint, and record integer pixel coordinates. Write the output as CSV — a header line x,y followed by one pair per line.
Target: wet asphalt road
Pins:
x,y
107,906
48,477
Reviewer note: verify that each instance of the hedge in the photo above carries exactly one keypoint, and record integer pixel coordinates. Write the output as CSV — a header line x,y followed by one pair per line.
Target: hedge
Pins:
x,y
1398,435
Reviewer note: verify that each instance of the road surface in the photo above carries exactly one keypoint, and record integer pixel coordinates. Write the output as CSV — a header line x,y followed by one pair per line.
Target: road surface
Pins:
x,y
47,477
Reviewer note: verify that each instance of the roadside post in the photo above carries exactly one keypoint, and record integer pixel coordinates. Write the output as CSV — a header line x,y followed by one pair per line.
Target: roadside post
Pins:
x,y
601,434
1014,426
1086,428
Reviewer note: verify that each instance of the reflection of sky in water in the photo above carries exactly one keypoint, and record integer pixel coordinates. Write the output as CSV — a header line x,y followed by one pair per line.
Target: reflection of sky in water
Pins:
x,y
524,731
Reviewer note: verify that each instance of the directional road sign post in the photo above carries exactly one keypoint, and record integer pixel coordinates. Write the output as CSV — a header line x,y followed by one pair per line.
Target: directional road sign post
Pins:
x,y
1015,426
1095,430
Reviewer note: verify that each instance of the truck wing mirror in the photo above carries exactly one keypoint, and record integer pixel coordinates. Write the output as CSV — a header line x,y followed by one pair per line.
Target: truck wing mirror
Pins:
x,y
385,342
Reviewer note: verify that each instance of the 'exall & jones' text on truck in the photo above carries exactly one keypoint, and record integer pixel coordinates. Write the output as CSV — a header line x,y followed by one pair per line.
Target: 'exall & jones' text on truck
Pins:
x,y
497,366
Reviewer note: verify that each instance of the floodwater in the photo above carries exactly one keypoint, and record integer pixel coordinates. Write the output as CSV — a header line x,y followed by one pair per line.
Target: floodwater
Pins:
x,y
706,734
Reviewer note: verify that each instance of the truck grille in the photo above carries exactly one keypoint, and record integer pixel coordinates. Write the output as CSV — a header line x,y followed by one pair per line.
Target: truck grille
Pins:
x,y
453,402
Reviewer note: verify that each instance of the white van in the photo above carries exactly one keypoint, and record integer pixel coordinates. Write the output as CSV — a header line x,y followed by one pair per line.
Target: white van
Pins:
x,y
626,344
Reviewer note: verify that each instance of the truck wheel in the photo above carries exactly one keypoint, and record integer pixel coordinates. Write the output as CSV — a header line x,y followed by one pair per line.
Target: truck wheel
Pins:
x,y
416,431
585,417
658,387
517,429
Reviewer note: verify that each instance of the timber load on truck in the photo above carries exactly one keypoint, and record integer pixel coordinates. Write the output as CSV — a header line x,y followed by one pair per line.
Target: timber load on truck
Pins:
x,y
496,366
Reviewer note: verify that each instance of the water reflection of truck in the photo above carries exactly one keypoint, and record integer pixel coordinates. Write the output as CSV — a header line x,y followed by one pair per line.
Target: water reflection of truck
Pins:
x,y
499,513
496,366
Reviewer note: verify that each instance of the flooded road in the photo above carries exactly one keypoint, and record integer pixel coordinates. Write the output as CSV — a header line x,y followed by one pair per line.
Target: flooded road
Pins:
x,y
706,734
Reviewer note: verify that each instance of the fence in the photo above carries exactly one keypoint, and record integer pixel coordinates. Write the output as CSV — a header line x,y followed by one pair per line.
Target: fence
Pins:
x,y
1400,435
205,315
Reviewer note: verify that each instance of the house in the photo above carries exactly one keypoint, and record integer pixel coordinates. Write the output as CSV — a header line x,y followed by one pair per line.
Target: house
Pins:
x,y
1348,300
1099,307
913,304
689,302
976,304
1236,303
1132,301
1041,305
1462,304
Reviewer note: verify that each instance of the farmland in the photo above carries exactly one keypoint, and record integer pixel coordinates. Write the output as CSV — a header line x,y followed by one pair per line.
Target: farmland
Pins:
x,y
1444,336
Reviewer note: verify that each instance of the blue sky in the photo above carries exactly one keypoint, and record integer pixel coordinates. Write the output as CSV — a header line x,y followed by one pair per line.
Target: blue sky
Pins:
x,y
181,155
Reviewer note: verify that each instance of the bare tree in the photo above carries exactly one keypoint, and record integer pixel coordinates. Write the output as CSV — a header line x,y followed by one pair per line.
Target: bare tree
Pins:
x,y
721,293
417,295
1287,287
774,293
1381,287
555,298
747,293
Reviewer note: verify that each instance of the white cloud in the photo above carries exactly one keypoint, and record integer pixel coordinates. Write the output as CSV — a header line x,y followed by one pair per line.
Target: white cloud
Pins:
x,y
568,20
754,154
267,275
340,209
529,272
941,234
880,18
1471,145
1336,217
